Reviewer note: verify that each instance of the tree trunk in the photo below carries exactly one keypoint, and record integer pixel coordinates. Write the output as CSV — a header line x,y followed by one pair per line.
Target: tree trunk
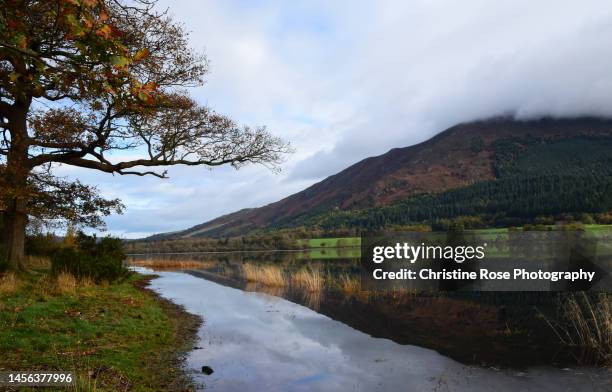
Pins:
x,y
15,214
15,220
16,192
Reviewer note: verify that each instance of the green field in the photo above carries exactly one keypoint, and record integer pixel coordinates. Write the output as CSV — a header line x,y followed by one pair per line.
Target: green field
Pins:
x,y
350,247
331,253
338,242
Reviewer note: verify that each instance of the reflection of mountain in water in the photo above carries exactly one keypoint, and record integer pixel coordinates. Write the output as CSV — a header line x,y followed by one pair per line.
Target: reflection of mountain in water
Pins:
x,y
256,342
472,327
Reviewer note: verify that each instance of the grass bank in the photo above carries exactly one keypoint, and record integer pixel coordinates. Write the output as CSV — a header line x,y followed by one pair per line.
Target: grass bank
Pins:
x,y
114,337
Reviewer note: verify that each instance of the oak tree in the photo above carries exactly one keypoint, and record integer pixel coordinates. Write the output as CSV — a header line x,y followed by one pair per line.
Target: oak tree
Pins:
x,y
81,79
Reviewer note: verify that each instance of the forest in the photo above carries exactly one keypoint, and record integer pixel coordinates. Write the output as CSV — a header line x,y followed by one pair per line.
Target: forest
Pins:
x,y
537,181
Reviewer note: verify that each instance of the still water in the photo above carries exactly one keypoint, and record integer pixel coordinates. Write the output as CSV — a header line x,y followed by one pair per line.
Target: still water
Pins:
x,y
259,342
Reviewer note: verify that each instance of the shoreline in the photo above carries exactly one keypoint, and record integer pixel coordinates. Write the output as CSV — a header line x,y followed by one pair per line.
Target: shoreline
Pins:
x,y
111,337
186,326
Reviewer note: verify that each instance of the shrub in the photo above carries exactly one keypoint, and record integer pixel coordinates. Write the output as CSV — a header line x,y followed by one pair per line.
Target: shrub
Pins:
x,y
97,260
573,226
587,219
604,218
41,244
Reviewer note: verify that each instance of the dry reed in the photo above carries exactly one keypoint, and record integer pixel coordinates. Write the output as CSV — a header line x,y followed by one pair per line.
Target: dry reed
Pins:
x,y
171,264
269,275
86,282
349,285
66,283
309,279
9,283
587,323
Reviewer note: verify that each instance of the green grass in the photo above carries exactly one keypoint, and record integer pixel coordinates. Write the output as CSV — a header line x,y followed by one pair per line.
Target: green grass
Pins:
x,y
496,230
330,248
329,242
349,247
598,228
330,253
111,336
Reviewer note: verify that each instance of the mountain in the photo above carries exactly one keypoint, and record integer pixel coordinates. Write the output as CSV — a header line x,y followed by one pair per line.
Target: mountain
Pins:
x,y
461,157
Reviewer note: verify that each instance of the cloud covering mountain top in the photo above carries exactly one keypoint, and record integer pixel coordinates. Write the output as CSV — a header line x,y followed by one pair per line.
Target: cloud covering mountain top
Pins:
x,y
344,80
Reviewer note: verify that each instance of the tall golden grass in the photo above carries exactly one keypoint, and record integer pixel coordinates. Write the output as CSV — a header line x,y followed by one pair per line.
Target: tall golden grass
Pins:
x,y
269,275
9,283
587,323
349,285
172,264
86,281
310,279
66,283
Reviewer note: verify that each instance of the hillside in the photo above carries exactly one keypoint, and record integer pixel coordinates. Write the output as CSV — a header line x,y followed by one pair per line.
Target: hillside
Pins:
x,y
464,157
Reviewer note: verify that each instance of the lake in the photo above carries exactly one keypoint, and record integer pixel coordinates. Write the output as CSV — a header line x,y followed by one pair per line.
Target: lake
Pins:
x,y
258,338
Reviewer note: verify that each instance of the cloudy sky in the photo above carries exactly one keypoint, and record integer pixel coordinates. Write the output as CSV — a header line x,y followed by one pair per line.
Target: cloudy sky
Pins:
x,y
344,80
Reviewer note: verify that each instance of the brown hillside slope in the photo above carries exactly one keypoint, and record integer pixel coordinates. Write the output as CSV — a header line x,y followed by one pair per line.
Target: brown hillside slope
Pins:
x,y
456,157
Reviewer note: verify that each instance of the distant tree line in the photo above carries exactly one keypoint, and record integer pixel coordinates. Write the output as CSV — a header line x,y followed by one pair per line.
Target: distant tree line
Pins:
x,y
283,239
539,182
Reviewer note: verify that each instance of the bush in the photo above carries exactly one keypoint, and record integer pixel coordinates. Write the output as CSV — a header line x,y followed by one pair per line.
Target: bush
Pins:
x,y
90,258
41,245
587,219
604,218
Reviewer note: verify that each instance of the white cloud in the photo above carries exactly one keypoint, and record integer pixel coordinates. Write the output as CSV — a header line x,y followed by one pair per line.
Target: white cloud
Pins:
x,y
344,80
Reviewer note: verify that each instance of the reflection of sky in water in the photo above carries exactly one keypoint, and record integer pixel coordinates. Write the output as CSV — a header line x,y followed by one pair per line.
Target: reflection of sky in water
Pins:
x,y
257,342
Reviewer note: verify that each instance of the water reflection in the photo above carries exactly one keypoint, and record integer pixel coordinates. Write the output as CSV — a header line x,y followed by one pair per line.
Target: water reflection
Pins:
x,y
277,291
481,328
258,342
312,299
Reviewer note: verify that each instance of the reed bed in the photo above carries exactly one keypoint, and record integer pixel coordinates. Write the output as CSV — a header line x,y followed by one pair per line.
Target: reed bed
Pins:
x,y
86,281
9,283
269,275
172,264
586,322
309,279
349,285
